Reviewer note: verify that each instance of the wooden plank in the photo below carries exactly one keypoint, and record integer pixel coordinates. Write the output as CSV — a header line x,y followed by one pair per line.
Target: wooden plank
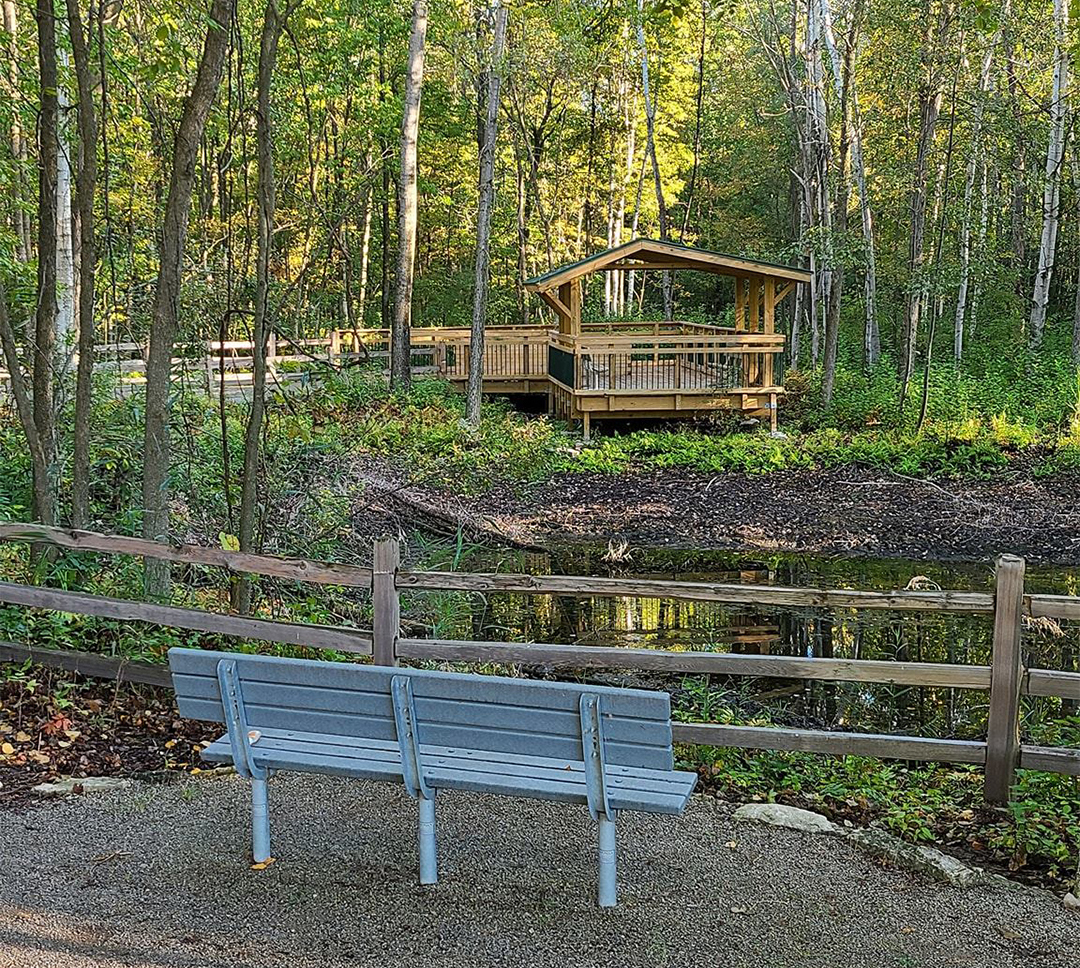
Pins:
x,y
1050,759
1052,682
1006,678
701,663
264,630
977,603
834,744
386,602
1054,606
298,569
88,664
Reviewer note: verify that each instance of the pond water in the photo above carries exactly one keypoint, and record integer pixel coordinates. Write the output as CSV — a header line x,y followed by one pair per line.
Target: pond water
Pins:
x,y
842,633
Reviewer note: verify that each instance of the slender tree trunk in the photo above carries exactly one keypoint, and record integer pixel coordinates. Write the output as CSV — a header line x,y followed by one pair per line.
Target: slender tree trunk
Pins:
x,y
846,90
400,362
650,134
365,259
21,220
163,330
483,217
40,467
45,324
699,100
1055,158
273,23
970,173
1017,97
85,186
930,109
66,288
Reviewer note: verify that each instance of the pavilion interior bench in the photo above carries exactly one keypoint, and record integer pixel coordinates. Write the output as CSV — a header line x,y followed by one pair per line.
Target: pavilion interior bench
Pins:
x,y
607,748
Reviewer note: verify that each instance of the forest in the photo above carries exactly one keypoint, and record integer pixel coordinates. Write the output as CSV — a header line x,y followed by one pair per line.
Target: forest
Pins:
x,y
187,189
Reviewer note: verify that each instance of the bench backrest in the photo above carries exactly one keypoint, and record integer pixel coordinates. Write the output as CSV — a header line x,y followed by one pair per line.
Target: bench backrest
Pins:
x,y
488,713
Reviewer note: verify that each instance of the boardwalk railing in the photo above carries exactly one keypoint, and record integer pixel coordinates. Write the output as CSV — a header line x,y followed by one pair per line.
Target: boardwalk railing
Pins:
x,y
1007,678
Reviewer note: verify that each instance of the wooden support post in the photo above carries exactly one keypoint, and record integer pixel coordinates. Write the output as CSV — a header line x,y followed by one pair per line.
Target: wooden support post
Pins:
x,y
386,623
1006,679
586,429
770,327
335,345
740,304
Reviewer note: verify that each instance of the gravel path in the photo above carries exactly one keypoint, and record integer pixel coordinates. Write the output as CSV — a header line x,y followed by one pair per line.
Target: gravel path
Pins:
x,y
157,876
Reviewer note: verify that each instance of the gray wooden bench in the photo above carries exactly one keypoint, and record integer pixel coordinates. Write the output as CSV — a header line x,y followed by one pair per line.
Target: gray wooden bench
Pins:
x,y
607,748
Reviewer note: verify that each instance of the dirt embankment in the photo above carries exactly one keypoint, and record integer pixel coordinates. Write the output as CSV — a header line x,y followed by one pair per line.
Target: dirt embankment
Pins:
x,y
850,511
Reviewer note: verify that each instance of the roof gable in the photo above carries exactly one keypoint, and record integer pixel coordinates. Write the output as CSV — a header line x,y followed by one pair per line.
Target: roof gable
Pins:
x,y
648,253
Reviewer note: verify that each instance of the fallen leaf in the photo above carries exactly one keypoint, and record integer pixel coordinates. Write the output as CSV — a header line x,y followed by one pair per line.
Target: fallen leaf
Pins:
x,y
7,749
262,865
739,910
1006,932
21,737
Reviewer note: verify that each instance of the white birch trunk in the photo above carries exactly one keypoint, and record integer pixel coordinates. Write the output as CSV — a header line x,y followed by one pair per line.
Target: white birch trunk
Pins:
x,y
969,193
65,243
1055,154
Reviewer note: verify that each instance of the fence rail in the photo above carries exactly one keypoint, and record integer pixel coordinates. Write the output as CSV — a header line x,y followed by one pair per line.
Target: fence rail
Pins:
x,y
1007,678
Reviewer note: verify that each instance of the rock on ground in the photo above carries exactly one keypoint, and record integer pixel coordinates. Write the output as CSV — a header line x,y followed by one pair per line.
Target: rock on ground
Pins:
x,y
159,876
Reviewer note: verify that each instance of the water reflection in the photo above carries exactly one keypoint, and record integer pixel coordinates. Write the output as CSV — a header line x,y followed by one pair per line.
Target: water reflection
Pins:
x,y
842,633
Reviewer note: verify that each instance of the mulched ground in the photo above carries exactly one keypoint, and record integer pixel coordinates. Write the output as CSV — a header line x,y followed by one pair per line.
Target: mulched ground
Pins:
x,y
849,511
55,724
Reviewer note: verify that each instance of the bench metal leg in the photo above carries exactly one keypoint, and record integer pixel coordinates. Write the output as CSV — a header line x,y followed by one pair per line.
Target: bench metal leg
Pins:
x,y
429,865
260,822
608,879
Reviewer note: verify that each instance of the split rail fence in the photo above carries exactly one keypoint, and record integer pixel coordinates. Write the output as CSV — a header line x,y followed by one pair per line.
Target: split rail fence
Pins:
x,y
1007,678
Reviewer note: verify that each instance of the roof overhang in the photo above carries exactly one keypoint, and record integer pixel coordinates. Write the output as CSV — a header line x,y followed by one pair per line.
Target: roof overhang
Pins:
x,y
653,254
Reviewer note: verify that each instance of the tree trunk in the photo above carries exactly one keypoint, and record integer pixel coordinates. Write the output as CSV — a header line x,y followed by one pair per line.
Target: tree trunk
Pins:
x,y
273,23
21,221
85,187
163,329
45,323
39,461
66,288
483,217
650,134
843,70
1055,157
969,195
400,362
365,259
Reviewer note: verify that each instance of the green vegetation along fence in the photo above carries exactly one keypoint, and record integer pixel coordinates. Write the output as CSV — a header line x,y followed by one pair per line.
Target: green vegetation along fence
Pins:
x,y
1006,678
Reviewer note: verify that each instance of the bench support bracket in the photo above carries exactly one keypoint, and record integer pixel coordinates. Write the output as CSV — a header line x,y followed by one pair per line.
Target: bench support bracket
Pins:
x,y
412,772
243,753
592,746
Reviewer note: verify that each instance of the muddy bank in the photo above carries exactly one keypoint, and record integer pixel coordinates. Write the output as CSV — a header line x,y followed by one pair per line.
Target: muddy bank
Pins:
x,y
843,511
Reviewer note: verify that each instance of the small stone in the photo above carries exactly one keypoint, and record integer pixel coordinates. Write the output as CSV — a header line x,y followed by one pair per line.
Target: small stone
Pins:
x,y
793,818
925,860
1071,901
87,784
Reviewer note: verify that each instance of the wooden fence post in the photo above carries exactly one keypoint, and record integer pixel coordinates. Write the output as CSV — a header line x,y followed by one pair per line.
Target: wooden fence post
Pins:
x,y
1006,678
386,603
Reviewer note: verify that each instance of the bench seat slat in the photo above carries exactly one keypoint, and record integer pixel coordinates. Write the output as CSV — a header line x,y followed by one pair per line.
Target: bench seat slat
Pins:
x,y
540,778
657,781
443,734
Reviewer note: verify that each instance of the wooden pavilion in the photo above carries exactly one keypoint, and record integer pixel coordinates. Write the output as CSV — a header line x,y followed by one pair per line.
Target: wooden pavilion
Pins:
x,y
609,369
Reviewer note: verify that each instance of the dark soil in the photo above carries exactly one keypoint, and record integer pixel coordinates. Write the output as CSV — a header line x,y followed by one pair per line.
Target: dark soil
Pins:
x,y
55,724
848,511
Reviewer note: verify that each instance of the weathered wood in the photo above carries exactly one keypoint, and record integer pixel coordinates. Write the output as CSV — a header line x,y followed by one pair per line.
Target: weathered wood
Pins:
x,y
703,663
1054,606
386,602
1006,678
298,569
264,630
978,603
88,664
835,744
1050,759
1052,682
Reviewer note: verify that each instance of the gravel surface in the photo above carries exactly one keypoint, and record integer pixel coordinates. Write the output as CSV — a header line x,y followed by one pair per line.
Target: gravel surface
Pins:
x,y
156,876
